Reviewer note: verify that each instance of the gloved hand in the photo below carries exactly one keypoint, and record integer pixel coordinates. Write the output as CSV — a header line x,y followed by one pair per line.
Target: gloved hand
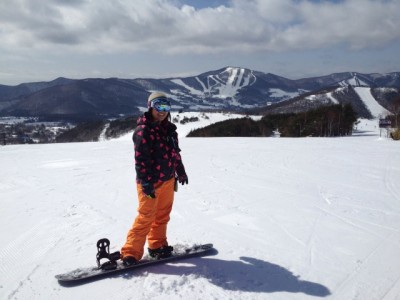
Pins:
x,y
181,174
148,190
183,179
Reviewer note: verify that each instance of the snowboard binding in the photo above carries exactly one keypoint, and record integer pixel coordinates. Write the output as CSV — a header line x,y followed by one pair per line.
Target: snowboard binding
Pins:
x,y
103,252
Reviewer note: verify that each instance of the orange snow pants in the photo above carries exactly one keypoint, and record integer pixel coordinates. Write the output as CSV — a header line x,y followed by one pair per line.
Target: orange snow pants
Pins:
x,y
152,220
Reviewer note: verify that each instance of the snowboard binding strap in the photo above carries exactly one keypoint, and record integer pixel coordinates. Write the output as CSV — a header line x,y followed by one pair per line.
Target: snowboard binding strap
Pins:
x,y
103,252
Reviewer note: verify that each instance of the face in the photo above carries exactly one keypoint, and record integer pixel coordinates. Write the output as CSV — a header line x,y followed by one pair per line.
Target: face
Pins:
x,y
160,108
159,116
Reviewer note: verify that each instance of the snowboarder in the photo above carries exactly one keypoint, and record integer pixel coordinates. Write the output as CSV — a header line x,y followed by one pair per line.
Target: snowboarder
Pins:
x,y
158,166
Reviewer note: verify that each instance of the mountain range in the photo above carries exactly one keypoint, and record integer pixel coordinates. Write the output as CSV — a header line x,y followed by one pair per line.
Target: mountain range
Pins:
x,y
230,88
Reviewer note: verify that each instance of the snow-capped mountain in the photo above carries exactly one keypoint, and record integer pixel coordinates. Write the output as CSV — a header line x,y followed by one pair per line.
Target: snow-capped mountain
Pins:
x,y
368,102
230,88
227,88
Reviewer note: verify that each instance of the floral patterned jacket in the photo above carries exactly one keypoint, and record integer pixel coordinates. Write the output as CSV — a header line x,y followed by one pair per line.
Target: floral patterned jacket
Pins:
x,y
157,154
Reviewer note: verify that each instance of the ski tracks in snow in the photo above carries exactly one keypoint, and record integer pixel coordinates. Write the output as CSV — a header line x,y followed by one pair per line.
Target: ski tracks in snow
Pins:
x,y
21,258
392,185
380,239
52,218
366,268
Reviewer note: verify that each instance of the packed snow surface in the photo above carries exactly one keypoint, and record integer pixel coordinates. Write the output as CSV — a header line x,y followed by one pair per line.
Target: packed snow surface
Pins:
x,y
377,110
292,218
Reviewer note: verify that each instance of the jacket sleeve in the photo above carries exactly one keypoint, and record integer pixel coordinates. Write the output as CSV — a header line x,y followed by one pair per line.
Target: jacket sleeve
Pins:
x,y
179,167
143,160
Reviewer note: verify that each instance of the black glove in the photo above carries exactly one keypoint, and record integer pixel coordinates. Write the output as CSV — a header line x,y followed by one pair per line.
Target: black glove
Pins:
x,y
148,190
183,179
180,172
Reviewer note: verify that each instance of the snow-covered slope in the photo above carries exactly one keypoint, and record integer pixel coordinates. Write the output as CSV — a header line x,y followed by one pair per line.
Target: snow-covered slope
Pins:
x,y
356,79
223,85
373,106
204,119
291,218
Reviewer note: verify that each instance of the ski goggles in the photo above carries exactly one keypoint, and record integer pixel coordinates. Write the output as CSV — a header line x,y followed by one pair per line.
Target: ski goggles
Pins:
x,y
161,104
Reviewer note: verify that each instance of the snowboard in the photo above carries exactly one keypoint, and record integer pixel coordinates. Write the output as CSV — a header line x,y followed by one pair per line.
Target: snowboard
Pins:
x,y
84,275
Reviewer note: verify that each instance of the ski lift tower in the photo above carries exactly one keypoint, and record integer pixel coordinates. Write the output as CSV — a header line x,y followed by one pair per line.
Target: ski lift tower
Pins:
x,y
385,125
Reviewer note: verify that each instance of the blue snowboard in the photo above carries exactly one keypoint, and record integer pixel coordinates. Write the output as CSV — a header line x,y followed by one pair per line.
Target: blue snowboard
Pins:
x,y
83,275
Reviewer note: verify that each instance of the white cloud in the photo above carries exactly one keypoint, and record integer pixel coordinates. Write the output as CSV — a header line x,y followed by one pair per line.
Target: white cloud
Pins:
x,y
357,23
41,40
159,25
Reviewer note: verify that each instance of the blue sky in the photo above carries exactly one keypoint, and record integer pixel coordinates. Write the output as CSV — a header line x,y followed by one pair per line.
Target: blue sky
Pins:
x,y
46,39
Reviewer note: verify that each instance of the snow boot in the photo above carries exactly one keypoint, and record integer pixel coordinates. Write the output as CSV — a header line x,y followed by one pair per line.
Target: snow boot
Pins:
x,y
163,252
129,261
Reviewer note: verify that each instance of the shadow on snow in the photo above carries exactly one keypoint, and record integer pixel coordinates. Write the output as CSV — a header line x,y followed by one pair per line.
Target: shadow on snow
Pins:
x,y
245,275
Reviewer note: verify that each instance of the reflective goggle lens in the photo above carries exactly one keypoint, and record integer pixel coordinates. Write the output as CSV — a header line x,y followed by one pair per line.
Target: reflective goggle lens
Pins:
x,y
161,105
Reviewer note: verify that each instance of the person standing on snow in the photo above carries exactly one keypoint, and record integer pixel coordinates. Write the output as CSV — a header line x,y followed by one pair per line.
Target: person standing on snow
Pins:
x,y
158,165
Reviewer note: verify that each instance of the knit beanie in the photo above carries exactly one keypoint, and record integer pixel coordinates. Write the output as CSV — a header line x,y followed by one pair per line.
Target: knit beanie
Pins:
x,y
155,95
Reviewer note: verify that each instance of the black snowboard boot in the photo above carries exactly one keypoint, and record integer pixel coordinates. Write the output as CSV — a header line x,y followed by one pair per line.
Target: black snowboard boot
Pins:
x,y
163,252
129,261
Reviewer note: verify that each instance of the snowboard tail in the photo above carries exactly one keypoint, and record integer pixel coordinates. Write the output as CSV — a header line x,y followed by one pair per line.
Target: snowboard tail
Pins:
x,y
82,275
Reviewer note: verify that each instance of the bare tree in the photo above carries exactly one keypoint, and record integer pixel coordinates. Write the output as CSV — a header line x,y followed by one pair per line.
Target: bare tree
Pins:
x,y
395,108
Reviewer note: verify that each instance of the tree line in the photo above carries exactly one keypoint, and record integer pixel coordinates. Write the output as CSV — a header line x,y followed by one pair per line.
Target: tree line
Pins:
x,y
325,121
90,131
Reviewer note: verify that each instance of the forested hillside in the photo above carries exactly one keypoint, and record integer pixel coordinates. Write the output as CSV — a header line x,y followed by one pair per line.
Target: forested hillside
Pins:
x,y
326,121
